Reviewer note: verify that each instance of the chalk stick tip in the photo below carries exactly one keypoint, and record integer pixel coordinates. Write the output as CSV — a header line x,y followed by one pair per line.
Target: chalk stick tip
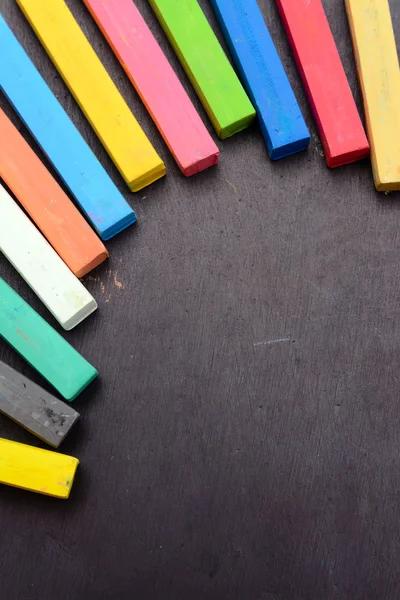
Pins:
x,y
57,441
236,127
90,375
347,158
148,178
119,226
300,145
388,185
201,164
66,487
90,265
80,315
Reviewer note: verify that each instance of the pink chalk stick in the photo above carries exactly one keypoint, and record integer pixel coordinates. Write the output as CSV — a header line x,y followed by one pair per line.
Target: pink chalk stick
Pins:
x,y
156,83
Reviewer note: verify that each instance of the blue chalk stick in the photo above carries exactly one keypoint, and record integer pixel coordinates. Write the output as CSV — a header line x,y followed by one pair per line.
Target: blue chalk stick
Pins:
x,y
263,76
99,198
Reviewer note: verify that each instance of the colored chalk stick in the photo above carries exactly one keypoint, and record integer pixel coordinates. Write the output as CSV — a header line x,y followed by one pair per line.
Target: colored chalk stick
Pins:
x,y
104,206
36,470
46,203
41,267
206,65
35,409
156,83
94,90
263,76
340,128
41,346
378,71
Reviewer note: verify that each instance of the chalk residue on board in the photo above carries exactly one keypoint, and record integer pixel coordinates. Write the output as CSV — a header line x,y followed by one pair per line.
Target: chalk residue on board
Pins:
x,y
91,278
104,287
96,280
118,283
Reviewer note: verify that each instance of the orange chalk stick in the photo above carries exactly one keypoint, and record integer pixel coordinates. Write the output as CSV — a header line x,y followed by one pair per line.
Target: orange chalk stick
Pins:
x,y
46,203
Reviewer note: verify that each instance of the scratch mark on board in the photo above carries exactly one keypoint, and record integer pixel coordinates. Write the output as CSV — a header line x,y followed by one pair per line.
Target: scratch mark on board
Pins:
x,y
270,342
232,186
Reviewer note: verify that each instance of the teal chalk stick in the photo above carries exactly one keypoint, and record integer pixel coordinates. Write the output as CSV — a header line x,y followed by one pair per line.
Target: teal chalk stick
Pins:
x,y
41,346
263,76
95,192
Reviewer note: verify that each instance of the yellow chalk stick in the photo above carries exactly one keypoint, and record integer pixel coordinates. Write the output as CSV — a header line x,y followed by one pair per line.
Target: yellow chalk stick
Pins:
x,y
36,470
95,92
378,70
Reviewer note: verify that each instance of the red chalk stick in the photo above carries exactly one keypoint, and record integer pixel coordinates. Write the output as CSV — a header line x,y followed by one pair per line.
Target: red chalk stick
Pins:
x,y
156,83
339,124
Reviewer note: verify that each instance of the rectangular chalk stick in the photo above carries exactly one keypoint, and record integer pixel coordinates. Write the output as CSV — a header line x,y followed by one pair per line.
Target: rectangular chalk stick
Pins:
x,y
33,408
41,346
340,128
43,270
156,83
206,65
378,71
46,203
264,78
95,91
36,470
100,200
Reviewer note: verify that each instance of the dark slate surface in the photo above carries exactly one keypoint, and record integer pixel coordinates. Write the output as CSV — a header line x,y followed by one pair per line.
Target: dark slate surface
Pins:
x,y
243,440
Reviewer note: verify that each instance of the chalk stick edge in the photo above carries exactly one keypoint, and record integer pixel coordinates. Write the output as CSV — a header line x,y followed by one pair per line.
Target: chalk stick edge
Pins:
x,y
340,160
73,423
72,397
148,178
201,165
97,260
62,495
80,316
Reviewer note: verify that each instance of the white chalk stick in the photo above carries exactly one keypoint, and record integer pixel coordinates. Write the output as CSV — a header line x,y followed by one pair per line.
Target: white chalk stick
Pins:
x,y
41,267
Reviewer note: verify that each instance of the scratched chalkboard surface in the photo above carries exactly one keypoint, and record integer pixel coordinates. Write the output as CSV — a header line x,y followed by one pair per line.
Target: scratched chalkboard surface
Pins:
x,y
242,441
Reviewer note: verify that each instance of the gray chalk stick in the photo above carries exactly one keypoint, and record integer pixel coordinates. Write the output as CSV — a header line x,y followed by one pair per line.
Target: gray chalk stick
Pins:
x,y
35,409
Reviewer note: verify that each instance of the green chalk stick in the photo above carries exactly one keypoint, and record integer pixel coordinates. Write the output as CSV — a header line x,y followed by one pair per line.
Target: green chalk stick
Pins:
x,y
206,65
41,346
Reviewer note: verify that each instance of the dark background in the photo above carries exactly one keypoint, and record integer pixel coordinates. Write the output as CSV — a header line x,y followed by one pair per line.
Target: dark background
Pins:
x,y
218,463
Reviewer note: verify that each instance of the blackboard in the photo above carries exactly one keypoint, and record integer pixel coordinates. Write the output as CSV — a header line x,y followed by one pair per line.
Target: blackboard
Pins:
x,y
242,442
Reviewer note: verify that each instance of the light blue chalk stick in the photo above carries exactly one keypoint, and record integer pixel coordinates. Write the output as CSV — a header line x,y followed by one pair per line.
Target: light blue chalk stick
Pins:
x,y
94,191
263,76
